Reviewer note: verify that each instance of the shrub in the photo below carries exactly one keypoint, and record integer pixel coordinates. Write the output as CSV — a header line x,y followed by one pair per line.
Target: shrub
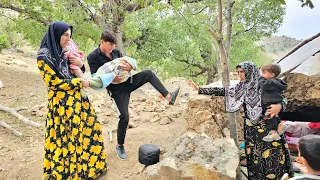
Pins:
x,y
4,42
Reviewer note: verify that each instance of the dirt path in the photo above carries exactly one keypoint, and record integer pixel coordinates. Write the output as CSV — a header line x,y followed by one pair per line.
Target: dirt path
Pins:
x,y
21,157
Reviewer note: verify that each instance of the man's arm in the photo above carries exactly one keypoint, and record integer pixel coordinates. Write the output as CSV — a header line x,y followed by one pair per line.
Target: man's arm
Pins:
x,y
93,62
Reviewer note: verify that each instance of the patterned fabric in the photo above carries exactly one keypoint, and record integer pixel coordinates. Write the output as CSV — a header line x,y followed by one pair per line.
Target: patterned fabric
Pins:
x,y
218,91
73,141
265,160
248,92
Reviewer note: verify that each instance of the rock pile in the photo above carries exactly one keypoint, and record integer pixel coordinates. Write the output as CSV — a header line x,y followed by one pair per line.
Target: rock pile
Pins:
x,y
193,157
206,115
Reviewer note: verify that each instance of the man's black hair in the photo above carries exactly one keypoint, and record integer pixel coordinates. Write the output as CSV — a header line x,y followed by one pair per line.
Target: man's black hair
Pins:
x,y
309,147
108,37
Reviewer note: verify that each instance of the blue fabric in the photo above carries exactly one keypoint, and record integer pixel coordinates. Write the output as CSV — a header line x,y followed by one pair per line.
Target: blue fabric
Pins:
x,y
242,145
132,62
51,41
106,79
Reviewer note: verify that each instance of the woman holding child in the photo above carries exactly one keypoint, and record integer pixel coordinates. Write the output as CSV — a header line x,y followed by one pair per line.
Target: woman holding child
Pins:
x,y
265,160
73,140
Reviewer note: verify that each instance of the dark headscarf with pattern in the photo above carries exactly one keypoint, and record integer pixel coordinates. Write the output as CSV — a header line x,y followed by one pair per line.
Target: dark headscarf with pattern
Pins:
x,y
247,92
51,51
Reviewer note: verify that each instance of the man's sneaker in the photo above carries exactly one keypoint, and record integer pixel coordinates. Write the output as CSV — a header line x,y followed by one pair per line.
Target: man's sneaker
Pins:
x,y
174,95
121,153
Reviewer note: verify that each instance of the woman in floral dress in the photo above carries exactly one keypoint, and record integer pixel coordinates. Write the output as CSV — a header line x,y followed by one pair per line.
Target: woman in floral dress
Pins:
x,y
73,140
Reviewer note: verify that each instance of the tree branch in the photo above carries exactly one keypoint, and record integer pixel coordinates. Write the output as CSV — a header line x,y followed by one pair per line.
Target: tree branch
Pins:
x,y
19,116
187,62
31,14
85,8
199,73
219,17
14,131
186,20
213,34
198,11
229,27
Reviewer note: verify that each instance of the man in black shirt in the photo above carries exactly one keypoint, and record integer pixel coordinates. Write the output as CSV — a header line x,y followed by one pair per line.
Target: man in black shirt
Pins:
x,y
121,92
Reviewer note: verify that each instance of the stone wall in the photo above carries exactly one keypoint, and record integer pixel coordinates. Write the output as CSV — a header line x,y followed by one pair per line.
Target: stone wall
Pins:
x,y
206,115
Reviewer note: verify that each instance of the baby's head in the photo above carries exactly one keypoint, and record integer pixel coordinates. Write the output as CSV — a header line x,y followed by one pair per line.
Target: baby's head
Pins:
x,y
309,152
270,71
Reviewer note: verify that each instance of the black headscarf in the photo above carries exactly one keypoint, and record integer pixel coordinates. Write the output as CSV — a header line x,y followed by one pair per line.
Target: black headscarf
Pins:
x,y
51,51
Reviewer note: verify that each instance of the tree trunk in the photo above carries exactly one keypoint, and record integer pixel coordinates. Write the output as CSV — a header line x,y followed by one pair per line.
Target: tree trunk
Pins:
x,y
117,22
120,43
211,74
223,56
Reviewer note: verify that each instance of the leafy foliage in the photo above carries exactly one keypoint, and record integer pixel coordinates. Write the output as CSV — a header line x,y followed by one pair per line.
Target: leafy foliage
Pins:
x,y
4,43
164,36
169,37
33,18
303,3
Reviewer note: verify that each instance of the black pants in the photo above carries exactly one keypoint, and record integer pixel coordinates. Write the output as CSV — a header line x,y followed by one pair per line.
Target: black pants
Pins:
x,y
121,94
271,123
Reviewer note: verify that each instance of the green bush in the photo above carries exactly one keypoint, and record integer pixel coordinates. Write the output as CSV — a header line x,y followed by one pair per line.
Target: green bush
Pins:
x,y
4,42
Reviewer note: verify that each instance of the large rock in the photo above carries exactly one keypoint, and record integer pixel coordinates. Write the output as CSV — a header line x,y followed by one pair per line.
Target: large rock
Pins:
x,y
194,157
302,91
206,114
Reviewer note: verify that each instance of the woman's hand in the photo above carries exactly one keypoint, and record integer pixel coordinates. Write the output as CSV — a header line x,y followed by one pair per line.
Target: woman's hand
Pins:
x,y
274,109
126,66
76,61
193,85
85,83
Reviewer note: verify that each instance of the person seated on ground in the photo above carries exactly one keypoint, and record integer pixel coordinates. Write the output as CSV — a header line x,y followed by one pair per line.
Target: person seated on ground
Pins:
x,y
296,130
271,93
309,156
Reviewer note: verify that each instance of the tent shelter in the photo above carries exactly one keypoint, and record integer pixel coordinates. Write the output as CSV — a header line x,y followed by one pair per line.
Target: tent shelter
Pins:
x,y
304,61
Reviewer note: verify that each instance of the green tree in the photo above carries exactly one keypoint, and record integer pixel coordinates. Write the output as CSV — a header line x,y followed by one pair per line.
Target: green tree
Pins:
x,y
172,37
178,34
303,3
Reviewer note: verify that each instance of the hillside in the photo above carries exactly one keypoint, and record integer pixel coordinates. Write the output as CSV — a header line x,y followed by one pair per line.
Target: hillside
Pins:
x,y
277,46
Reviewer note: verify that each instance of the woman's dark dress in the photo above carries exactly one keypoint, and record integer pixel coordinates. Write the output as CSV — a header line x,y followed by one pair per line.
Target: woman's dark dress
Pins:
x,y
265,160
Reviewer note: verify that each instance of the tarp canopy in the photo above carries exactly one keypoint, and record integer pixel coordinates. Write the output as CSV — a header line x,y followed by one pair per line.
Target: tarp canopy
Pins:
x,y
301,58
309,67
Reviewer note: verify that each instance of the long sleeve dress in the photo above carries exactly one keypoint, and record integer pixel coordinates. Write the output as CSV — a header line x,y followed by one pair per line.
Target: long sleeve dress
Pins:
x,y
73,140
265,160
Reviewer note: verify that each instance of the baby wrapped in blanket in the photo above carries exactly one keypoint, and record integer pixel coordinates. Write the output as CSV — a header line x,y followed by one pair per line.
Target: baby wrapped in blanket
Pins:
x,y
105,74
108,71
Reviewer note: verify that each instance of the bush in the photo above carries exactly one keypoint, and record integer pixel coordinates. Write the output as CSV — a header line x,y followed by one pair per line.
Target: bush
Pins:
x,y
4,42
